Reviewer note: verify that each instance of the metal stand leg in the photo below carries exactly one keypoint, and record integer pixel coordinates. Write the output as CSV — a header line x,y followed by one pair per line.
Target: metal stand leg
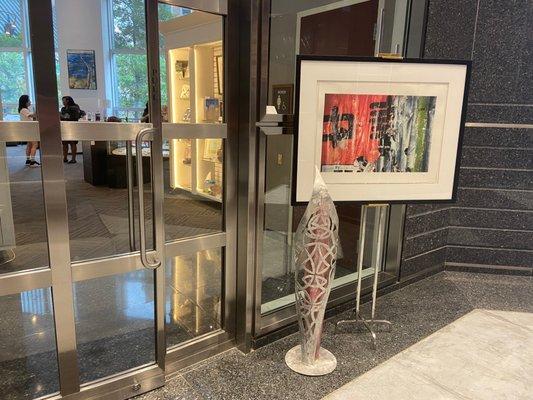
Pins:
x,y
372,323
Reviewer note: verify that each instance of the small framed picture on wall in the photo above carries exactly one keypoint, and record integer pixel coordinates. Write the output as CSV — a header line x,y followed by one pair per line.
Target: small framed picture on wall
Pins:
x,y
81,69
379,130
282,98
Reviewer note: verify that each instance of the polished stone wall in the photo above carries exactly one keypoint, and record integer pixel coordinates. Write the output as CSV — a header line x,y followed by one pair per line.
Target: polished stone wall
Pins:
x,y
491,225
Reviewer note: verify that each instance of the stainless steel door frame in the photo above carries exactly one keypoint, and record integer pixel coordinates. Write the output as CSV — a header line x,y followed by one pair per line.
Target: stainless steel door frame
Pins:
x,y
54,190
63,273
154,104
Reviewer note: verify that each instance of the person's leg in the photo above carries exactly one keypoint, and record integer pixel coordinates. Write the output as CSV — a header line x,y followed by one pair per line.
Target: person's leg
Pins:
x,y
28,152
33,150
74,151
65,151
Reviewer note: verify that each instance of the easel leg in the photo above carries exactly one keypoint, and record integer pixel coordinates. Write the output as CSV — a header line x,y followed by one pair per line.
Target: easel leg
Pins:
x,y
381,213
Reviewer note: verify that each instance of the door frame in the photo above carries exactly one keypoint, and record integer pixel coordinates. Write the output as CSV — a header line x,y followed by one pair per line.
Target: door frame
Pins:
x,y
63,273
267,125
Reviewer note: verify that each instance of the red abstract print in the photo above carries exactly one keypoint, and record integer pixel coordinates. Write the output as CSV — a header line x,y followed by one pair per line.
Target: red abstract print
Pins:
x,y
354,129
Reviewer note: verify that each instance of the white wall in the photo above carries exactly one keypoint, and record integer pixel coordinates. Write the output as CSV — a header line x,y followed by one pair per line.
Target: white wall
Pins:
x,y
82,25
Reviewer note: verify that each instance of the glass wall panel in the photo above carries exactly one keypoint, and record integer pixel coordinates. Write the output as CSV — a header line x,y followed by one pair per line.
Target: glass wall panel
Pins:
x,y
23,241
319,27
28,360
194,295
192,91
114,323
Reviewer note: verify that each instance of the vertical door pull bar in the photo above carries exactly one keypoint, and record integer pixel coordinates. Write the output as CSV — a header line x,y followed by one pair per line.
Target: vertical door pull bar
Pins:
x,y
155,263
131,212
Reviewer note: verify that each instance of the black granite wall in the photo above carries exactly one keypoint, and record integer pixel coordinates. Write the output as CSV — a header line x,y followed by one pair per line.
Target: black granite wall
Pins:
x,y
491,225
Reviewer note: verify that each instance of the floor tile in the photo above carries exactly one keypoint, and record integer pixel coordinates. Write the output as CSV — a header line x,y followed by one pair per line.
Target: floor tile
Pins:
x,y
482,355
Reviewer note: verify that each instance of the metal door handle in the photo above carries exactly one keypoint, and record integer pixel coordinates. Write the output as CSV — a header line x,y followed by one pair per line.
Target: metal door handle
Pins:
x,y
156,262
131,212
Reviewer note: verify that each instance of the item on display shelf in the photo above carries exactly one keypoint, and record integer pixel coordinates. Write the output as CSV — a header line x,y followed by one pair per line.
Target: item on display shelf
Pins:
x,y
211,109
220,74
81,66
182,69
185,92
187,115
316,246
212,149
379,129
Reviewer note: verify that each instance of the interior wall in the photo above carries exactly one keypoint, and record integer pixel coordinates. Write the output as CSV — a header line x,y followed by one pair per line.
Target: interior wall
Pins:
x,y
491,224
79,27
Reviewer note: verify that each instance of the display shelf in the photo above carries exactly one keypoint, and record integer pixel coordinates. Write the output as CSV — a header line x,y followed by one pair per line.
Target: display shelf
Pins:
x,y
194,62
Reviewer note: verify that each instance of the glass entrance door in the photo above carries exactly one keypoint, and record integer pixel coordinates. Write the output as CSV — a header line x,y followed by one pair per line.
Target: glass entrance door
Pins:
x,y
117,264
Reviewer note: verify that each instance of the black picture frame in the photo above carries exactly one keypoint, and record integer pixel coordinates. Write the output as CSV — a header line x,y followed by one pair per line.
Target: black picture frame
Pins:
x,y
300,58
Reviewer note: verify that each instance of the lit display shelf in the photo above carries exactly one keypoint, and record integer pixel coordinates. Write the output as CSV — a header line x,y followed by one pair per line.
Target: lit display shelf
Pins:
x,y
195,91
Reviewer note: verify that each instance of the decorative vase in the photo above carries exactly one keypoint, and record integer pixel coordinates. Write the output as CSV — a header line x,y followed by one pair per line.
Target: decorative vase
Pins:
x,y
315,249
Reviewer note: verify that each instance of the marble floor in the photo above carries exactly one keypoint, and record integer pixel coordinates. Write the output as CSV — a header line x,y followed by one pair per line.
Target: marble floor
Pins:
x,y
416,311
485,354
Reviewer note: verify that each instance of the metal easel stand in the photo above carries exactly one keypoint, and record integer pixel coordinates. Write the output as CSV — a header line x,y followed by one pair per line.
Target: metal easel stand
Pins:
x,y
372,325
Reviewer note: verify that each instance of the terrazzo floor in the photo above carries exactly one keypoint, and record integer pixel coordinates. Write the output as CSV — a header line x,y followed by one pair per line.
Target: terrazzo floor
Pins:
x,y
416,311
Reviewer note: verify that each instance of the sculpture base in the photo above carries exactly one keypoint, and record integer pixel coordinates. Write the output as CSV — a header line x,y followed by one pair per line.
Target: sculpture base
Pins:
x,y
325,364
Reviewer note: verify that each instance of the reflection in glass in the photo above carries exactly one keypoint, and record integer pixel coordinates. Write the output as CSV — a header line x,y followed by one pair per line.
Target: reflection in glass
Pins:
x,y
28,361
23,240
302,27
194,295
114,323
193,84
97,199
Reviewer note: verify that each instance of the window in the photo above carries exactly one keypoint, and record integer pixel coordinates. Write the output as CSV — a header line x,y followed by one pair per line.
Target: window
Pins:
x,y
128,56
14,56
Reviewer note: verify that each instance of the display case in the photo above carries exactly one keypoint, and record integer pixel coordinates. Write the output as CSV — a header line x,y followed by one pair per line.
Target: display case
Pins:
x,y
193,45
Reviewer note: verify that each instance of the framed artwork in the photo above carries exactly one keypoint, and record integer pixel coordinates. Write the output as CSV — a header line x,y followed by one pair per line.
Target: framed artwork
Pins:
x,y
282,98
81,65
379,130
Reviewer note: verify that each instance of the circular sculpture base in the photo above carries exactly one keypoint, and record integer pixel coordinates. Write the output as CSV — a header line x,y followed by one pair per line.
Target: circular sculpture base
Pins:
x,y
325,364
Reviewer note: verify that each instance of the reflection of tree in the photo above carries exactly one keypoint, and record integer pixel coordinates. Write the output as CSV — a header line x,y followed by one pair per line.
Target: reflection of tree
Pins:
x,y
130,33
129,23
12,76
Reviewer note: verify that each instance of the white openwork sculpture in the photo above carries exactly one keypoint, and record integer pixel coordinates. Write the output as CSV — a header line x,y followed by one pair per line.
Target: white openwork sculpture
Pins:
x,y
315,248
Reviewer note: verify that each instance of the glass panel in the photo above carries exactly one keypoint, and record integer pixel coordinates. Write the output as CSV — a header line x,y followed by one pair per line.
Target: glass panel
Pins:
x,y
97,198
114,323
327,27
194,295
28,360
192,92
23,241
321,27
95,90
